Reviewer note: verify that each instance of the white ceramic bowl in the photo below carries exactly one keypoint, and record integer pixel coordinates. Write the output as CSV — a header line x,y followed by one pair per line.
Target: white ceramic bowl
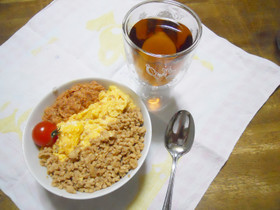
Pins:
x,y
30,150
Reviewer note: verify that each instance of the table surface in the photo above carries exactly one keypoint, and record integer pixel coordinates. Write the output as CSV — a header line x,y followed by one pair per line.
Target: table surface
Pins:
x,y
251,177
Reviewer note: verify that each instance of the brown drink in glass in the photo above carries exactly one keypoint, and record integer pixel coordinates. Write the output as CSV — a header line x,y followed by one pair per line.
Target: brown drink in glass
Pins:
x,y
160,38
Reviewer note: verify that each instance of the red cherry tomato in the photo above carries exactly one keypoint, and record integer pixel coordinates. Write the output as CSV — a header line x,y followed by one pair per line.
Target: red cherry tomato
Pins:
x,y
44,133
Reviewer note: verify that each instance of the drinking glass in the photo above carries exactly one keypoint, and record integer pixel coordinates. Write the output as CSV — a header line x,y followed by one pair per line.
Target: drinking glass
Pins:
x,y
156,73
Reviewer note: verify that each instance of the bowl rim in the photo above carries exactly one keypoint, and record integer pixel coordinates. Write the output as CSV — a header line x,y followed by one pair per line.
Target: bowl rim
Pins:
x,y
49,99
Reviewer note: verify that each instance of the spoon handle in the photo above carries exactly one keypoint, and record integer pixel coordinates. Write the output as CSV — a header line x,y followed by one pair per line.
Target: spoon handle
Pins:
x,y
168,197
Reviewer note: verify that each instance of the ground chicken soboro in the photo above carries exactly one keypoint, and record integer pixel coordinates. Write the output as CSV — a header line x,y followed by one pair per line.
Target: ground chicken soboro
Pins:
x,y
105,161
72,101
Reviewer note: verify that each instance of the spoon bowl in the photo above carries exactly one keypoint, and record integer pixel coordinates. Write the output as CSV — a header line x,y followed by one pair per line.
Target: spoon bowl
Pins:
x,y
179,134
179,137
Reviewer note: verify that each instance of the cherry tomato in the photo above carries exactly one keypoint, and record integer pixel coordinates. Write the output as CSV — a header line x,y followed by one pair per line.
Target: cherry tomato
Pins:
x,y
44,133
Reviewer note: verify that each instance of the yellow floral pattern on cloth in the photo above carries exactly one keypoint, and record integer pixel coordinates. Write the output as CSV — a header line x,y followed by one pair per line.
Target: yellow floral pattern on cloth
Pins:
x,y
37,50
205,63
11,123
150,184
110,38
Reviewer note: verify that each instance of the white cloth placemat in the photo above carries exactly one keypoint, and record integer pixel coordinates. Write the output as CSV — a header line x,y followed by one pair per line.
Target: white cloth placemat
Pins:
x,y
70,39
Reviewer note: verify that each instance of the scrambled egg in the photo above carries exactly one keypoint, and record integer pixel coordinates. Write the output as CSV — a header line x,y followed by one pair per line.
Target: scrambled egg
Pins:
x,y
88,124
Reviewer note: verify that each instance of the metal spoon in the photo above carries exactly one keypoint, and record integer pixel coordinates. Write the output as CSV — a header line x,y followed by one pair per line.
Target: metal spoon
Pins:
x,y
179,137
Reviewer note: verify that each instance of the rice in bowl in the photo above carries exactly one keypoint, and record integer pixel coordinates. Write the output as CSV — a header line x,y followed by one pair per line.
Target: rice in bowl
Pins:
x,y
108,160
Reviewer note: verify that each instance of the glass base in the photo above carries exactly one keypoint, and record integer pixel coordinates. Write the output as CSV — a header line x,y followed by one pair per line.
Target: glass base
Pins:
x,y
156,98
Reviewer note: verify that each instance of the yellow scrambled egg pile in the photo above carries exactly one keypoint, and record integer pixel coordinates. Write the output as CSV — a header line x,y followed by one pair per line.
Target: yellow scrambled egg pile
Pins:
x,y
88,124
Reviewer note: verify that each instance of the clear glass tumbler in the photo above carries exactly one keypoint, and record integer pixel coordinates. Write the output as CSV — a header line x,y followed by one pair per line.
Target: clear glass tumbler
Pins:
x,y
159,38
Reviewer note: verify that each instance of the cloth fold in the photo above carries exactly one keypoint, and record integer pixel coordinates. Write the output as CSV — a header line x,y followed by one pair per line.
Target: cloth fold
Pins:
x,y
223,89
